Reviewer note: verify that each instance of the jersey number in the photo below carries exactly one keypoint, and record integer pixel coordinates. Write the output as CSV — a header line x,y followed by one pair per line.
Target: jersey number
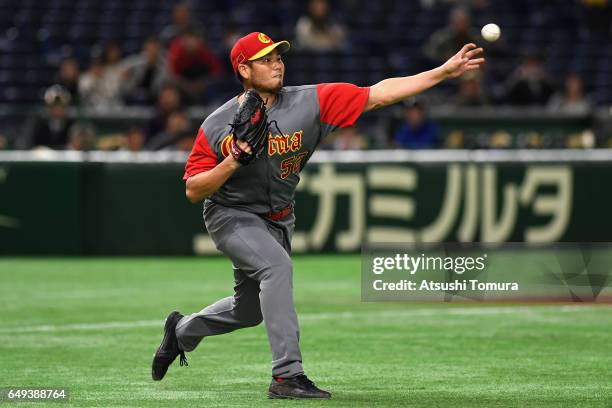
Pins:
x,y
292,164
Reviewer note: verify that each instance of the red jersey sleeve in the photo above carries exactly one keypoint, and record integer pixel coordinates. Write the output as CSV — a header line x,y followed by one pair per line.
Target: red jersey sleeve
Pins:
x,y
340,104
202,158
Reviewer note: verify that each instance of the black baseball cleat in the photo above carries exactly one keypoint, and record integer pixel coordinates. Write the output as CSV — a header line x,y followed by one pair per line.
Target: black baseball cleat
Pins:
x,y
299,387
168,349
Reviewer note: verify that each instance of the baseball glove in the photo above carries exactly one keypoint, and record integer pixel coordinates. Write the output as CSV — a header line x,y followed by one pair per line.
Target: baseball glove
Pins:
x,y
251,125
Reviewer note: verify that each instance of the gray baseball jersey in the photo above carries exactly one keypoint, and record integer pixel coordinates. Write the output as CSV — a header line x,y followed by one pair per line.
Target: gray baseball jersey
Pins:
x,y
258,246
304,114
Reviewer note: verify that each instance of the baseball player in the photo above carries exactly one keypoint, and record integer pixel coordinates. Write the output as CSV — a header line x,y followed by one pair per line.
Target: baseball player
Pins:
x,y
248,183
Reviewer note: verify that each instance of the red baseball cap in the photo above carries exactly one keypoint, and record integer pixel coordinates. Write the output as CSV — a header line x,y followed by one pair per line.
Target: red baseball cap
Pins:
x,y
253,46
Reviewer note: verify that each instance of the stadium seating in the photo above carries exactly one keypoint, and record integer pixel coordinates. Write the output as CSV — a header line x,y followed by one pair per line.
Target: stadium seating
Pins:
x,y
386,37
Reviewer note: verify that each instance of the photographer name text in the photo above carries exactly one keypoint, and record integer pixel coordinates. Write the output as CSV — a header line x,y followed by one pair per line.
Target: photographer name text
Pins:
x,y
457,285
422,263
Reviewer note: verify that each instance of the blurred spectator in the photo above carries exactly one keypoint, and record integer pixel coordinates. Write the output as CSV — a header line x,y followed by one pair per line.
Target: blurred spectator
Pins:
x,y
135,139
469,4
100,86
572,99
455,140
417,132
471,92
181,24
51,128
168,101
500,139
113,71
177,128
316,31
445,42
3,142
230,36
598,15
192,66
530,83
69,78
581,140
92,89
81,136
143,73
185,142
349,138
533,140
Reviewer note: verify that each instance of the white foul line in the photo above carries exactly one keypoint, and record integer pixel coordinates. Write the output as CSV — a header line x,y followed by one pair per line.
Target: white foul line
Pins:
x,y
457,311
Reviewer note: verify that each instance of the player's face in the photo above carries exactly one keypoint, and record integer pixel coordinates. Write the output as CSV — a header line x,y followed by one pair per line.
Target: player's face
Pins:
x,y
267,72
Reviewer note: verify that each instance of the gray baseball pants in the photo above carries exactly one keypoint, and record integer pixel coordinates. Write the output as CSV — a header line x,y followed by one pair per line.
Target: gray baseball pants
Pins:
x,y
259,249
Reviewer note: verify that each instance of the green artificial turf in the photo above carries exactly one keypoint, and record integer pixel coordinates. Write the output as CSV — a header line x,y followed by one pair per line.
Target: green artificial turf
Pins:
x,y
92,325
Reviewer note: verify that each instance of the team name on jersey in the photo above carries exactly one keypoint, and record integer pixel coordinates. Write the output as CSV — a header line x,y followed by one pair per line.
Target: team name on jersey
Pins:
x,y
283,144
277,144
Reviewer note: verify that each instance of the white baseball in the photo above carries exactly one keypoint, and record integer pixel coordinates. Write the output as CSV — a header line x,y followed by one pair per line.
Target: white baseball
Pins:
x,y
490,32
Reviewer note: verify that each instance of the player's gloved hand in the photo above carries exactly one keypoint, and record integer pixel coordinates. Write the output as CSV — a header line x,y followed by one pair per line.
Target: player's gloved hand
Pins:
x,y
251,126
242,152
240,148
